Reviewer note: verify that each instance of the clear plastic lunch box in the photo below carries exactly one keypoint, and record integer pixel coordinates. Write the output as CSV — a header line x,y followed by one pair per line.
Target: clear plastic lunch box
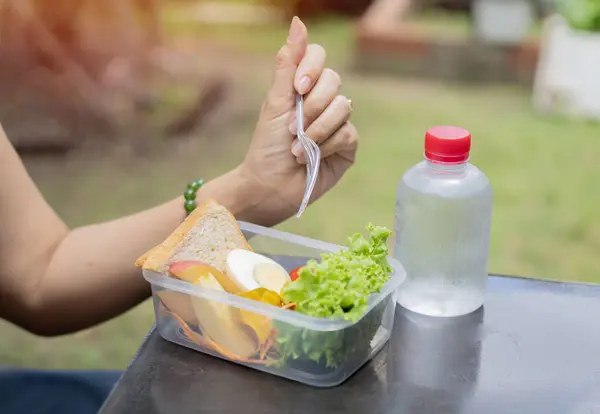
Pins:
x,y
315,351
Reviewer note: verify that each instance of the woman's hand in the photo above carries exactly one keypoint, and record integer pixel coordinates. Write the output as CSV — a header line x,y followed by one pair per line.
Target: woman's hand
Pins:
x,y
274,165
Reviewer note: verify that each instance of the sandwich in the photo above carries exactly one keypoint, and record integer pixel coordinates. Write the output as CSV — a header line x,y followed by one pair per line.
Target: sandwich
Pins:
x,y
208,234
209,250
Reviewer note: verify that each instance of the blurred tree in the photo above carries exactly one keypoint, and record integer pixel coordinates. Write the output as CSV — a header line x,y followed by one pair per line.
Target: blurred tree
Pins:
x,y
94,32
581,14
309,8
61,51
451,5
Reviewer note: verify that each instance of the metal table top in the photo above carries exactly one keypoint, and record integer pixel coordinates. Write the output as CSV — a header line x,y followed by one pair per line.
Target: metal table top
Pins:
x,y
534,348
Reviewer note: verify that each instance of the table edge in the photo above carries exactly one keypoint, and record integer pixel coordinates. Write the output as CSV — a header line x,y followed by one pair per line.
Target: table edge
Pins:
x,y
494,275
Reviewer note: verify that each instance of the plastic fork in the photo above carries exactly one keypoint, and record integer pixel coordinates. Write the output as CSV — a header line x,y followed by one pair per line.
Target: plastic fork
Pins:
x,y
312,152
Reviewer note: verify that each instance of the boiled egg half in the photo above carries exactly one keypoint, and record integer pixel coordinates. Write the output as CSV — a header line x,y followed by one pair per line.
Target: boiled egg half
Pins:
x,y
250,270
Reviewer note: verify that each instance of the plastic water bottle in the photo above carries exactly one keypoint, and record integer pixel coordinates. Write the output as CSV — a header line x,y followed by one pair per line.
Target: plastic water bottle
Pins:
x,y
442,225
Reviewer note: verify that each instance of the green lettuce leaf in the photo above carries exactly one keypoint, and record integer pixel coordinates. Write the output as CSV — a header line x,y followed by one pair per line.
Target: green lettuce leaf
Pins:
x,y
338,286
341,283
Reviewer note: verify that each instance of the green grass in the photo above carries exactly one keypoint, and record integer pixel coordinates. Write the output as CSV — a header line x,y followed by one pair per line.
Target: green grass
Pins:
x,y
544,173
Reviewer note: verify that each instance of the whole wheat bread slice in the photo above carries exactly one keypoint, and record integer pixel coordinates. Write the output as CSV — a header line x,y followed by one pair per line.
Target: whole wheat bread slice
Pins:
x,y
208,234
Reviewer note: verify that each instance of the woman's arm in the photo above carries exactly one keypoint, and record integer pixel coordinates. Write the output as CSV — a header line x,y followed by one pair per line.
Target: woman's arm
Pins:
x,y
54,280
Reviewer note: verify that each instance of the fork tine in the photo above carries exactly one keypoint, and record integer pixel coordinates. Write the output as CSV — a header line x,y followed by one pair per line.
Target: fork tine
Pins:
x,y
311,180
312,153
307,151
315,152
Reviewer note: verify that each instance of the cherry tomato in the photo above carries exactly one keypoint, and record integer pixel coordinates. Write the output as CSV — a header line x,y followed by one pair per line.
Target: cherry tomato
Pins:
x,y
294,274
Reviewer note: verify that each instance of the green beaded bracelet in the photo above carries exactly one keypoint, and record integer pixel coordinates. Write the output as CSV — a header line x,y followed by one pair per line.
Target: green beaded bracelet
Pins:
x,y
190,196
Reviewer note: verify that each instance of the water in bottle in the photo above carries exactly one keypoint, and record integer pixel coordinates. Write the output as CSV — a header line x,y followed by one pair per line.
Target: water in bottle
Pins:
x,y
442,226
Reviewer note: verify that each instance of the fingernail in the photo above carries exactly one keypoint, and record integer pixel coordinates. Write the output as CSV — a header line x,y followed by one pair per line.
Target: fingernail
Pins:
x,y
297,148
295,30
293,125
304,84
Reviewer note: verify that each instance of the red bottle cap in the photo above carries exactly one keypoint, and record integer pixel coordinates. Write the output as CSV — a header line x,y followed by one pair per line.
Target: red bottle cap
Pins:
x,y
447,144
